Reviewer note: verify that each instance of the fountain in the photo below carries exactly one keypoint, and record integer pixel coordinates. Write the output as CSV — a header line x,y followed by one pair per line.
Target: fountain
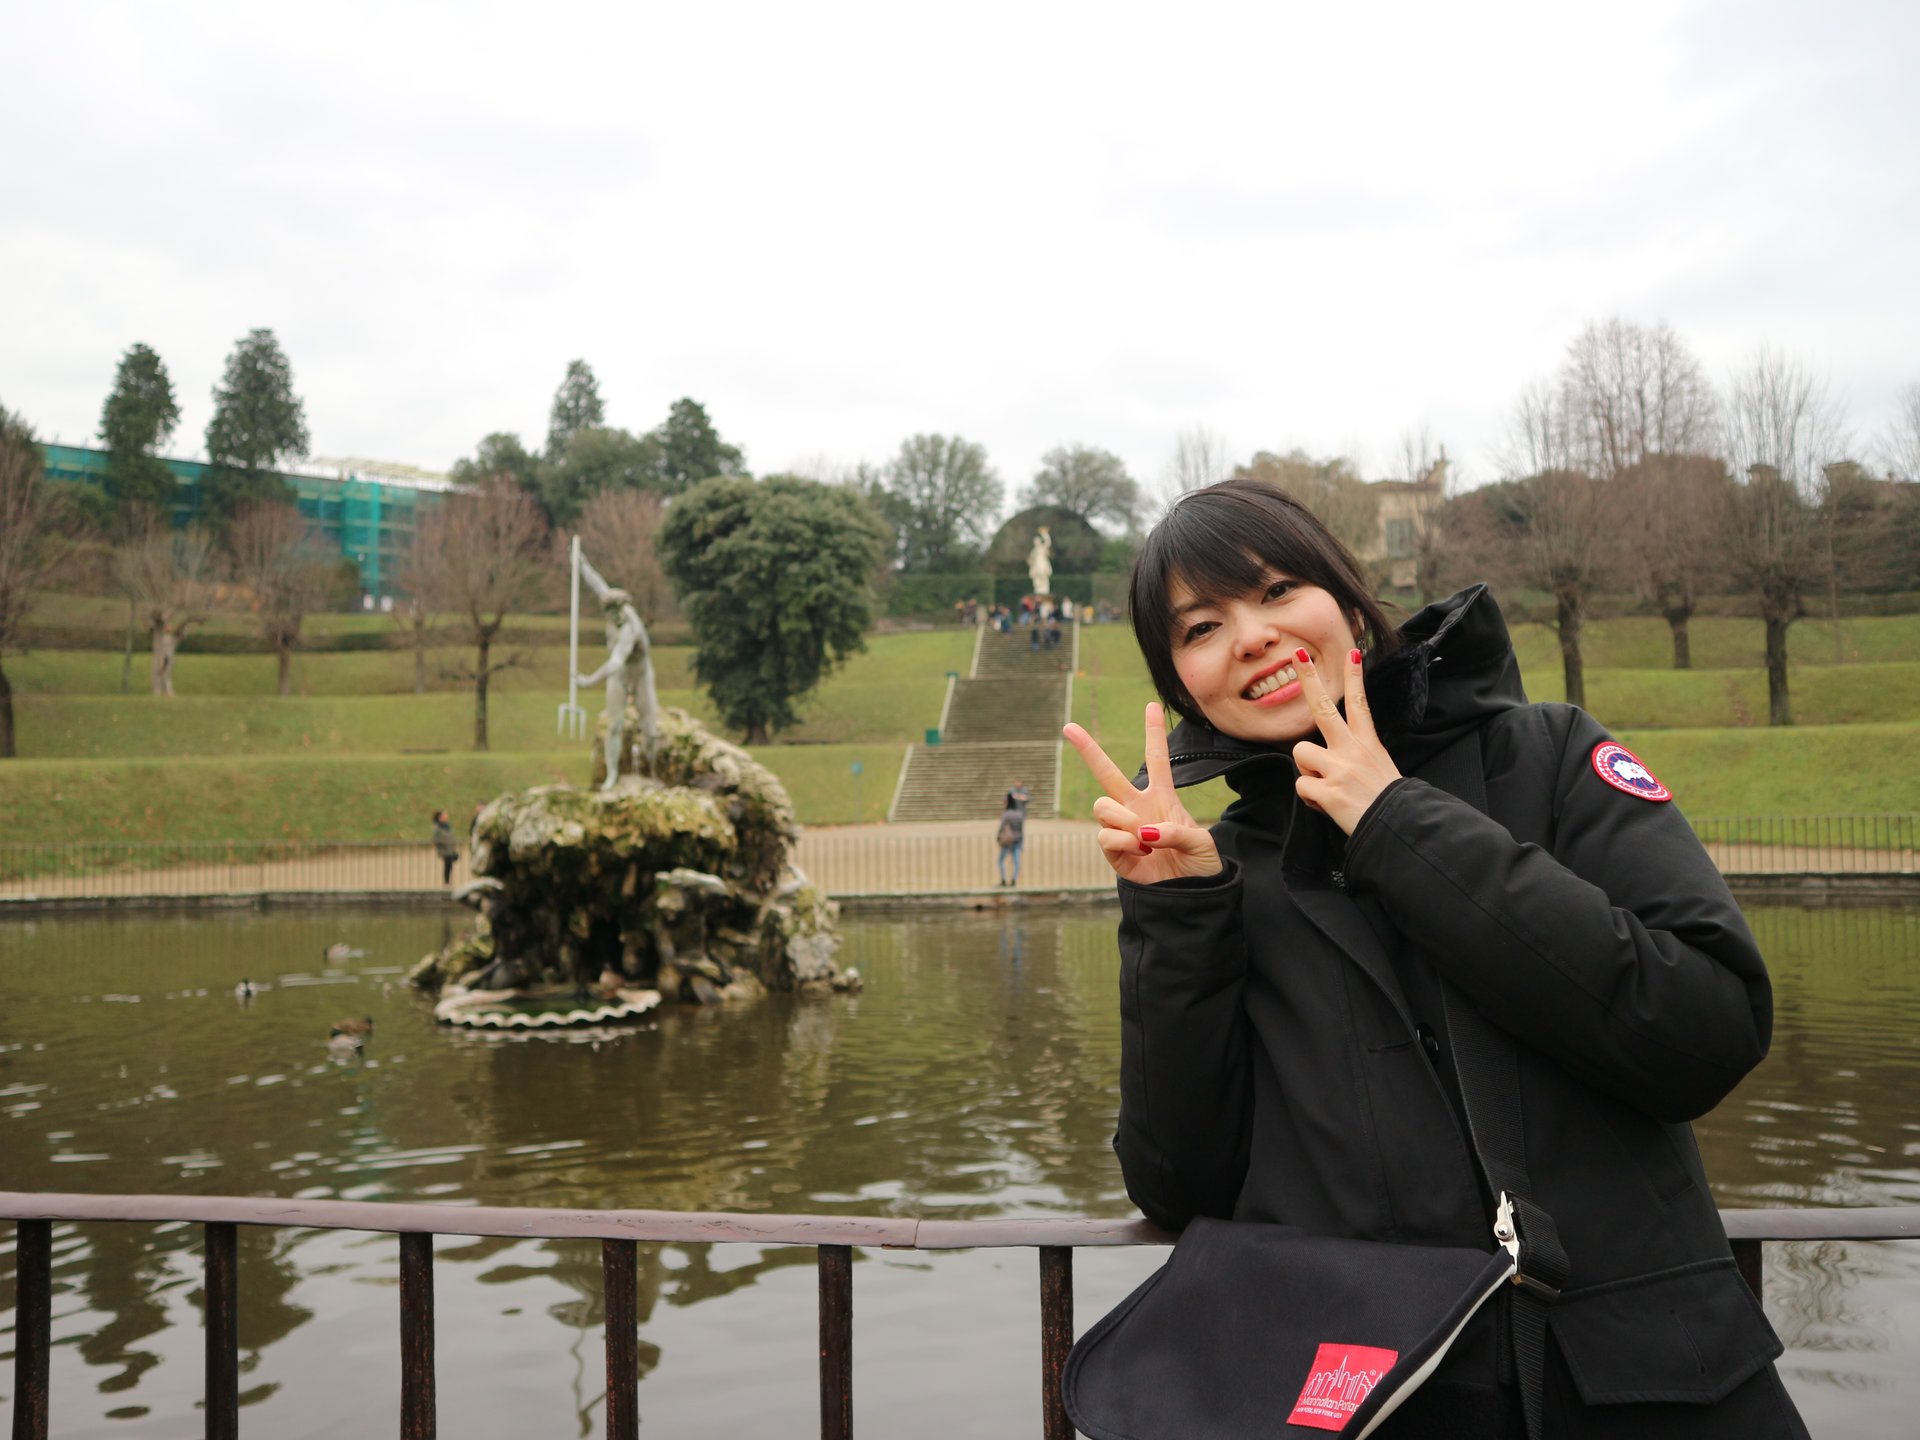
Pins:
x,y
670,879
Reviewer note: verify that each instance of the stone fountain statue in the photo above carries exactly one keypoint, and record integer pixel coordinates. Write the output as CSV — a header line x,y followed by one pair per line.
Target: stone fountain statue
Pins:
x,y
671,878
628,673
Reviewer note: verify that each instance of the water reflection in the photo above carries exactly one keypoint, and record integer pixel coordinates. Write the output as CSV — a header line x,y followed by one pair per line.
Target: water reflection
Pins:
x,y
974,1077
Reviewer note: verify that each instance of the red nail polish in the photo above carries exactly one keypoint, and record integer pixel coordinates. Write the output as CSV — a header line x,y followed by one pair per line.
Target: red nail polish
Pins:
x,y
1301,656
1354,656
1149,833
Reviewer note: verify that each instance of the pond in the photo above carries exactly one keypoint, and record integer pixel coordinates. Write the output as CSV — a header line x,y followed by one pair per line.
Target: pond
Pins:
x,y
974,1078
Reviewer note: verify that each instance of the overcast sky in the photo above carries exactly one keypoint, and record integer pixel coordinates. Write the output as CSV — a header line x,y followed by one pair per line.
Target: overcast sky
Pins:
x,y
1032,224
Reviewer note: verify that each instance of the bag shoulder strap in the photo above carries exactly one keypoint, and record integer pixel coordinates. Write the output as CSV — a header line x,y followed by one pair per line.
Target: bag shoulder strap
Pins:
x,y
1489,1069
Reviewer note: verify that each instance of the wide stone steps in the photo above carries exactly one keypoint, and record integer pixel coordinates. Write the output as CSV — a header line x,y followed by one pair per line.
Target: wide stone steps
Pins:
x,y
1005,708
970,782
1002,726
1014,654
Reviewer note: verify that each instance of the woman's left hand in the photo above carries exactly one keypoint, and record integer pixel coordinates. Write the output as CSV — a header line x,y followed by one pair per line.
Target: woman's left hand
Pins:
x,y
1344,776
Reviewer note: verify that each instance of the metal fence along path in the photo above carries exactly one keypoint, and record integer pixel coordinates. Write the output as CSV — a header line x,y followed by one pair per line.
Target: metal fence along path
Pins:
x,y
930,859
619,1231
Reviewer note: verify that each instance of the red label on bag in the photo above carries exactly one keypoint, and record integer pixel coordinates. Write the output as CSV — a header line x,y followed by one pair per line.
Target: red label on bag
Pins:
x,y
1340,1381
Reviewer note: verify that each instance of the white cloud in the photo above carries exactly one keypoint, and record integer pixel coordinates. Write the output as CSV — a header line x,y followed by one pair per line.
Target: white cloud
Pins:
x,y
839,224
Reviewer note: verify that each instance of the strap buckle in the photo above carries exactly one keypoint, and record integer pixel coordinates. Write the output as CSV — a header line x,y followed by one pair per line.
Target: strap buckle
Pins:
x,y
1506,1229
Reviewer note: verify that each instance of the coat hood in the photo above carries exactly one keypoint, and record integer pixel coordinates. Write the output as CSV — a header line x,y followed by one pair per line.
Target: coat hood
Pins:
x,y
1455,668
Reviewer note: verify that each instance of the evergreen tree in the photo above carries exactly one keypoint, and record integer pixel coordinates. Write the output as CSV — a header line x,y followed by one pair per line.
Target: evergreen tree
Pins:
x,y
776,577
691,450
257,423
576,406
138,417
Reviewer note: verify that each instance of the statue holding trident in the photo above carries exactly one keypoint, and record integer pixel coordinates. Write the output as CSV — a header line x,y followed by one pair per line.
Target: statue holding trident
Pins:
x,y
628,670
1040,562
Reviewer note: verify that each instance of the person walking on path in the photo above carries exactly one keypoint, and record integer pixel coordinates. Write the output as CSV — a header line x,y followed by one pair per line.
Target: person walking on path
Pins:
x,y
1012,834
444,845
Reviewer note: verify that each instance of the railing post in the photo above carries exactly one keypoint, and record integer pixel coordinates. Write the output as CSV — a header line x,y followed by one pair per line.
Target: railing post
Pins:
x,y
1746,1254
1056,1337
836,1342
417,1400
33,1327
223,1332
620,1271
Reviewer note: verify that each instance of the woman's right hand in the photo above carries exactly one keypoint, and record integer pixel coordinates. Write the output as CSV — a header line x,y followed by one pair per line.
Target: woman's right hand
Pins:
x,y
1146,835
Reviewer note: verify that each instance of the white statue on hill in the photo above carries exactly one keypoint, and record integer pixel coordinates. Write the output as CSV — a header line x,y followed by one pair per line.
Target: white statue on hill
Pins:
x,y
1040,561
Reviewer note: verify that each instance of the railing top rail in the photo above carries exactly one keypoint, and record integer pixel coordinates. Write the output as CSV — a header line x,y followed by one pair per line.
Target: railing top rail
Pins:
x,y
892,1232
1899,1222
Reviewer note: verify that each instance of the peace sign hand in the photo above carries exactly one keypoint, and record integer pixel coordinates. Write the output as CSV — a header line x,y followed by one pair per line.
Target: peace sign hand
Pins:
x,y
1146,835
1343,777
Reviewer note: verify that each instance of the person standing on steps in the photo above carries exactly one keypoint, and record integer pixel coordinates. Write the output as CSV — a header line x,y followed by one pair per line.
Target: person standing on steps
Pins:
x,y
1012,835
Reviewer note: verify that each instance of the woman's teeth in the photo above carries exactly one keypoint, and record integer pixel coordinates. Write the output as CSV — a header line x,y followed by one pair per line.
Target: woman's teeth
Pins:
x,y
1283,676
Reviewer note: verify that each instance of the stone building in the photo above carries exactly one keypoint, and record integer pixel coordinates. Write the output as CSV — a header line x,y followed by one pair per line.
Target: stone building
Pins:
x,y
1403,507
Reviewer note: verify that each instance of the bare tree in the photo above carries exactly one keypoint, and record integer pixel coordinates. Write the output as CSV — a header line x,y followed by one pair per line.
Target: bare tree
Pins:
x,y
1780,430
1199,459
29,548
1558,533
1541,431
1900,443
482,555
1632,409
1676,503
168,575
1329,488
1425,464
1634,391
1562,549
619,529
285,572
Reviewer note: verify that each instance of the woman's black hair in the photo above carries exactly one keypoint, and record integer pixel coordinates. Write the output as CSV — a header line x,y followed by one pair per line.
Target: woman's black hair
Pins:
x,y
1224,540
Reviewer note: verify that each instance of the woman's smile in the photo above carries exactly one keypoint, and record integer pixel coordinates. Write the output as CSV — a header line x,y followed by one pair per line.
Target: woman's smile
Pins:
x,y
1274,686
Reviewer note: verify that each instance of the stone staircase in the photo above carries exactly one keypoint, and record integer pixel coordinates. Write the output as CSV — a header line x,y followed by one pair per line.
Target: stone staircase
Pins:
x,y
1002,725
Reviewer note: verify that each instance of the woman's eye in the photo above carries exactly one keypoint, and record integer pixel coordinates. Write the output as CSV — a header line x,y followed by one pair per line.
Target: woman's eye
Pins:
x,y
1196,632
1279,588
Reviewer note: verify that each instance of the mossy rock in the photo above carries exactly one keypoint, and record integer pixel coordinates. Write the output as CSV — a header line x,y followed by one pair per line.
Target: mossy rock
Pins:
x,y
686,868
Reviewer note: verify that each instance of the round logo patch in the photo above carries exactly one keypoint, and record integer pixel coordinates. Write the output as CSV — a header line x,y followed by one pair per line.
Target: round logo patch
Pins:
x,y
1621,769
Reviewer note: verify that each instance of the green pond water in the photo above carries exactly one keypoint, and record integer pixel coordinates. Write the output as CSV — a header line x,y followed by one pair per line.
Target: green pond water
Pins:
x,y
974,1078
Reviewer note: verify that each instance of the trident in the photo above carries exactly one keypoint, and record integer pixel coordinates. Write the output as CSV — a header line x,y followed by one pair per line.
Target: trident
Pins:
x,y
572,720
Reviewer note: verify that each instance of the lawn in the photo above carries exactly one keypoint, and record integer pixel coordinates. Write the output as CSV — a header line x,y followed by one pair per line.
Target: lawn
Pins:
x,y
1703,731
360,797
925,655
1822,694
1797,770
359,756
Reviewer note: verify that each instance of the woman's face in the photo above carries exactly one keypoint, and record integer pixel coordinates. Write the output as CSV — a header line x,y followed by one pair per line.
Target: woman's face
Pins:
x,y
1236,657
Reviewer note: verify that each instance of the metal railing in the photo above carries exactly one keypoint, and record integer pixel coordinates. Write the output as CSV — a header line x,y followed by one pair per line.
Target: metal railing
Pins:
x,y
619,1231
1811,844
865,860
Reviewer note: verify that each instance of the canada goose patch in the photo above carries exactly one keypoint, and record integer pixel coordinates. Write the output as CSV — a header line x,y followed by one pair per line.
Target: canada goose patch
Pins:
x,y
1621,769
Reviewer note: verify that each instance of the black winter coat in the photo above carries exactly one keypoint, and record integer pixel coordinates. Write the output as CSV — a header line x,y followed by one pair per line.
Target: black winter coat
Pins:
x,y
1285,1059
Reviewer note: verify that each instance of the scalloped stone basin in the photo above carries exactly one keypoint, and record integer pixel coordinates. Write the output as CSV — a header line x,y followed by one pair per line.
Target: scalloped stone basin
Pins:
x,y
551,1009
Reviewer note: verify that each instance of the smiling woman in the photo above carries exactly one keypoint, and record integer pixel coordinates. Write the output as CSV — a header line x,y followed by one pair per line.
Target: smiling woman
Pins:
x,y
1439,978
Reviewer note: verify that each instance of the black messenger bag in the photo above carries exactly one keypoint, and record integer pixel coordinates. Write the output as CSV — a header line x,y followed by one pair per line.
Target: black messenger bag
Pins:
x,y
1253,1329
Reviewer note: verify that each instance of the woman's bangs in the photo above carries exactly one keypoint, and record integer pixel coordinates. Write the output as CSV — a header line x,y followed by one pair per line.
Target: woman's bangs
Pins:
x,y
1218,574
